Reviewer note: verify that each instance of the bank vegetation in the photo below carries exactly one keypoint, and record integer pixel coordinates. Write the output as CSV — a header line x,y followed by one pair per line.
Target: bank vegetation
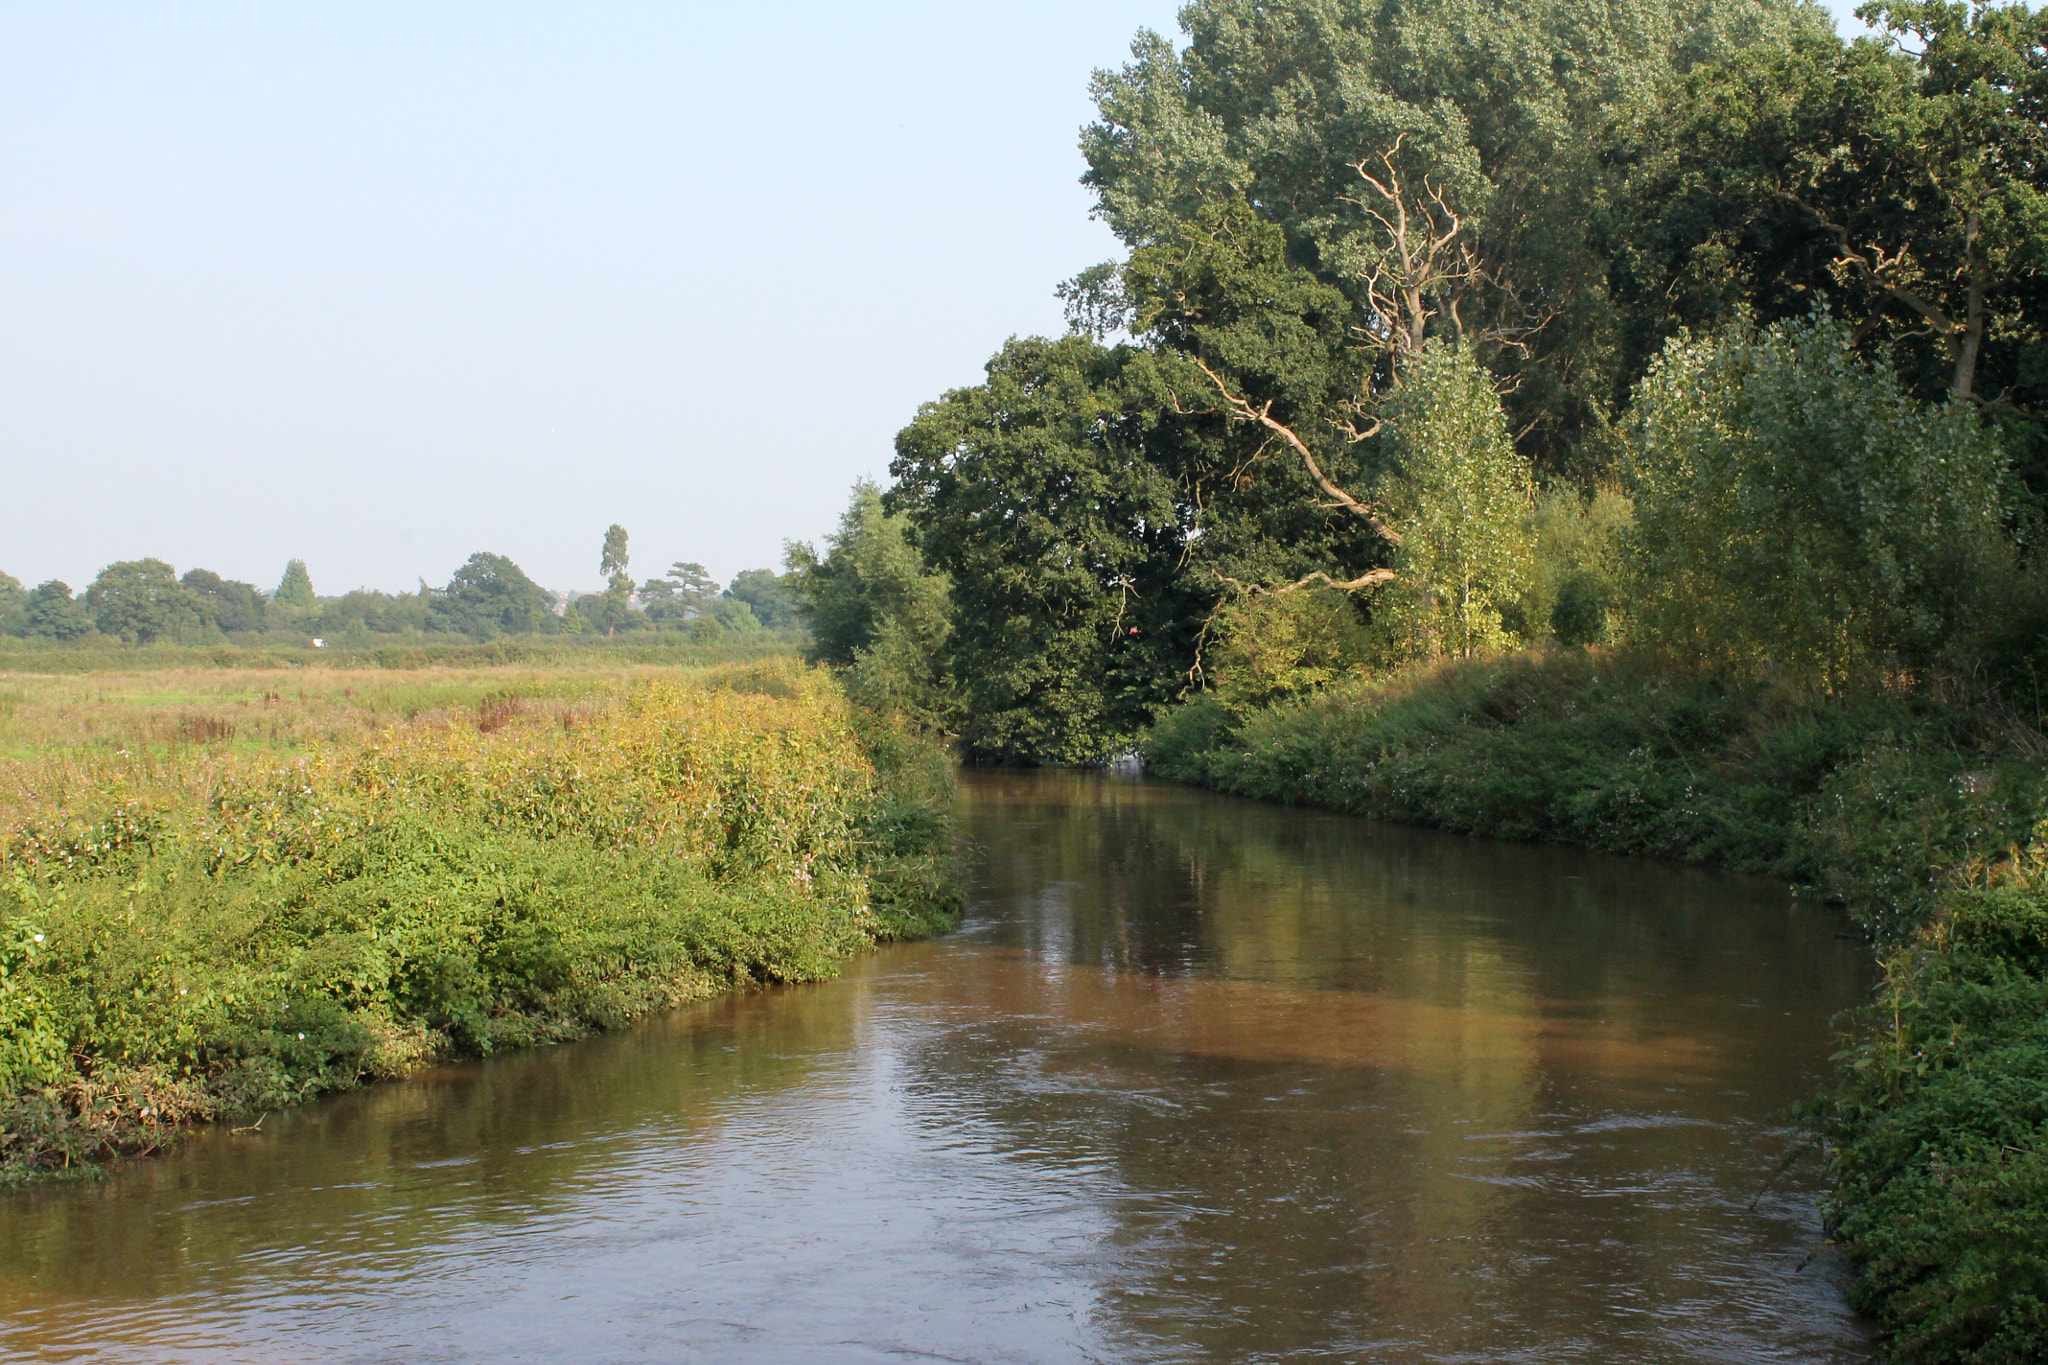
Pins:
x,y
1617,425
208,911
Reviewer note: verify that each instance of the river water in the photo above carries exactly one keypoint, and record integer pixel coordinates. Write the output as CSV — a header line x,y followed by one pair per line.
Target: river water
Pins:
x,y
1199,1080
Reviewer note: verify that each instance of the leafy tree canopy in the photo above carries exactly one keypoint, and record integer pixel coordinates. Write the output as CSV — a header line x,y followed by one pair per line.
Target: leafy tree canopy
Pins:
x,y
874,608
767,594
614,608
1795,502
1437,165
491,596
1032,492
141,600
53,613
227,604
295,589
685,593
13,605
1902,179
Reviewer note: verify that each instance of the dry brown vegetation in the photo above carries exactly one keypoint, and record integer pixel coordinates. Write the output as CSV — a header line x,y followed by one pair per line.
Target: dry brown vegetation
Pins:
x,y
283,709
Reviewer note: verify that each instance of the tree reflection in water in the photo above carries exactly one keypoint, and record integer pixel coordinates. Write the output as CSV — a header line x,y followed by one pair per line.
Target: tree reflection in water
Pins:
x,y
1199,1080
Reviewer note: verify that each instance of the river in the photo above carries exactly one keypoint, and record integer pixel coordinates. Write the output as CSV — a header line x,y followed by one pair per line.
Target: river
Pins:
x,y
1198,1080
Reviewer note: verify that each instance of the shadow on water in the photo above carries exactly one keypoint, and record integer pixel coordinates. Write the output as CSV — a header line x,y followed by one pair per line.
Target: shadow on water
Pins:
x,y
1198,1080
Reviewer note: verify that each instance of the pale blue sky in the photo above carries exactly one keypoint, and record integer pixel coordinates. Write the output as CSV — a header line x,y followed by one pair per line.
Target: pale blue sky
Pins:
x,y
378,285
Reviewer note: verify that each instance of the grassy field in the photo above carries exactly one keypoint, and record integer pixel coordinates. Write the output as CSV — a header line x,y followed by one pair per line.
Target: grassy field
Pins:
x,y
223,891
183,708
588,653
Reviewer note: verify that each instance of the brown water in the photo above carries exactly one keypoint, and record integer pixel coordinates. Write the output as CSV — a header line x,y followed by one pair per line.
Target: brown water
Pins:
x,y
1200,1080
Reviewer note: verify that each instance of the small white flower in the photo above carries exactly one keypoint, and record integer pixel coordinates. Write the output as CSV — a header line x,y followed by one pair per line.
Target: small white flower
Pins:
x,y
302,1037
39,938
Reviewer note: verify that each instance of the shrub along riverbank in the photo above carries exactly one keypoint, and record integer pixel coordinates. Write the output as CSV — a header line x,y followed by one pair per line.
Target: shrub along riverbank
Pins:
x,y
197,931
1923,818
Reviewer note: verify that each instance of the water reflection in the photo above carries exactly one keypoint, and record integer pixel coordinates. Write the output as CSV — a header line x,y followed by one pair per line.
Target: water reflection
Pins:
x,y
1200,1080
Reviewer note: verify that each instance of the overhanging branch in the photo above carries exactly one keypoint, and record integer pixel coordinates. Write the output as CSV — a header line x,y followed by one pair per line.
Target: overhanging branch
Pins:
x,y
1262,414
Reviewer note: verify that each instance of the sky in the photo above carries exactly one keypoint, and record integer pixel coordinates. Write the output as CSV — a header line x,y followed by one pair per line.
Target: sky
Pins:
x,y
380,285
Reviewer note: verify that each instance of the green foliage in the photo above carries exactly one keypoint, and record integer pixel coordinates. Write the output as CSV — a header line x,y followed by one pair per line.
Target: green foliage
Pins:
x,y
614,607
32,1036
1794,504
226,605
295,590
1460,497
613,561
686,593
1899,180
1186,742
875,611
491,596
1503,111
1031,493
199,938
1940,1126
1261,177
13,605
735,615
141,600
768,596
1320,204
1872,797
489,599
1578,588
1273,646
354,618
53,614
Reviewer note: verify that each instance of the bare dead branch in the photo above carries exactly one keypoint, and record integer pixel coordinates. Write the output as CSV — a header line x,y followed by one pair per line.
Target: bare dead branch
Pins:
x,y
1890,274
1244,411
1371,578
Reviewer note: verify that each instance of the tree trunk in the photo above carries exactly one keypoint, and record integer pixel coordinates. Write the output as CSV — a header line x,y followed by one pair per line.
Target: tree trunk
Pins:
x,y
1971,343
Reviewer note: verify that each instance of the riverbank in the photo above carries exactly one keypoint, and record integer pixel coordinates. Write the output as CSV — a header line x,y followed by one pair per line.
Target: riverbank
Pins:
x,y
1922,818
200,919
1287,1083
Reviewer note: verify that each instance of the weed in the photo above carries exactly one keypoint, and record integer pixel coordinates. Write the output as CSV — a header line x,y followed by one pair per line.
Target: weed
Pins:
x,y
196,932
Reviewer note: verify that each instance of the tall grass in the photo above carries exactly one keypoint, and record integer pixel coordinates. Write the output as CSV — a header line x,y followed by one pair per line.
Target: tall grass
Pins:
x,y
193,929
99,654
286,709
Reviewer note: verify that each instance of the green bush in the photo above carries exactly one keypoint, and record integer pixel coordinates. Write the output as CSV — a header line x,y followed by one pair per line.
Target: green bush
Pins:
x,y
1940,1132
1275,645
1462,495
1795,505
1874,797
204,934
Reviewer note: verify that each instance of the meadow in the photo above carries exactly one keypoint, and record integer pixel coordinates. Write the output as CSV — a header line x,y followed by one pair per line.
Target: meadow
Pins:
x,y
223,891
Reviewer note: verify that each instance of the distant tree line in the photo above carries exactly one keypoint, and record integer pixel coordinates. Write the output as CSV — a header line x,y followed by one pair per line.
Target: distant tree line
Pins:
x,y
146,601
